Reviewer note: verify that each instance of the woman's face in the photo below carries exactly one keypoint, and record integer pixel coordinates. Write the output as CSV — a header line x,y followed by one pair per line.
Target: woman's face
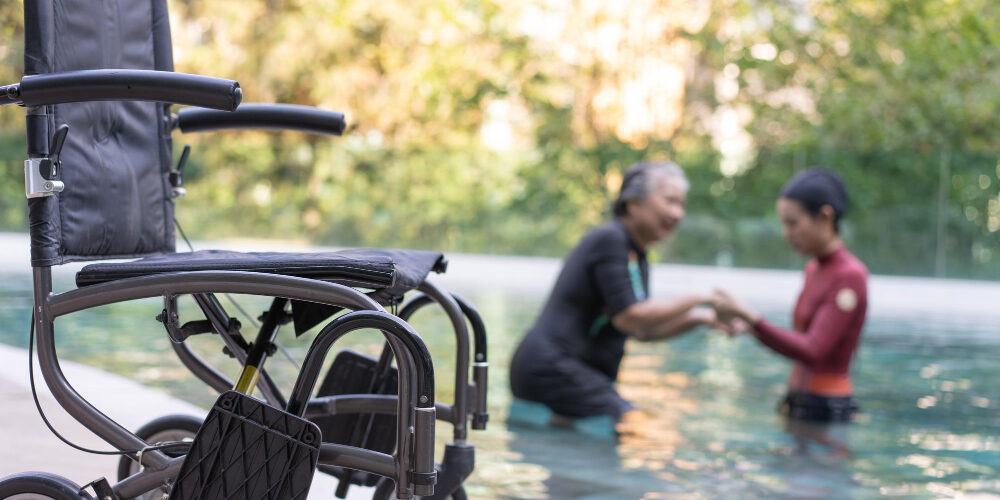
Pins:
x,y
659,214
806,233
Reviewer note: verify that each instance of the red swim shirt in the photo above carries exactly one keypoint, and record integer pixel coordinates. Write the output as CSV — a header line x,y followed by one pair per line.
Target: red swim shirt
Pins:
x,y
827,325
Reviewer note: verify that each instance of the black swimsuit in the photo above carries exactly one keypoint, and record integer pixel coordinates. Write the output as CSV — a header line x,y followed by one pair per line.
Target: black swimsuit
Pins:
x,y
816,408
569,359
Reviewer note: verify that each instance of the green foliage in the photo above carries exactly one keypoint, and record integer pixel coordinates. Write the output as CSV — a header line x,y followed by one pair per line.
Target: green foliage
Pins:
x,y
897,95
893,94
12,144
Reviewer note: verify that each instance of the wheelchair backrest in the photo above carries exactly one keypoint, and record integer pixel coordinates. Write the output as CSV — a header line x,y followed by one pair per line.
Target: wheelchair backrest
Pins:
x,y
117,156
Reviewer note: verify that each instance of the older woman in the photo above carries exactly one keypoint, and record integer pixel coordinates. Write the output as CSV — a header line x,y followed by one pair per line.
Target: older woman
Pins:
x,y
830,312
569,358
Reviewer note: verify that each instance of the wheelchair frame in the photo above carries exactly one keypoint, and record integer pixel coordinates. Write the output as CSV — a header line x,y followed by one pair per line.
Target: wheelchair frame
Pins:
x,y
458,460
411,467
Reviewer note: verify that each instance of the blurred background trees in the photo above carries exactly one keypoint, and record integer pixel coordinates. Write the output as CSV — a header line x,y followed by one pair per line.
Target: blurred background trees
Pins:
x,y
481,126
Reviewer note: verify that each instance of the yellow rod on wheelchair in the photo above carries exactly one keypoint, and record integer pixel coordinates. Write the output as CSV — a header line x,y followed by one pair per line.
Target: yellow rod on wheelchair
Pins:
x,y
248,380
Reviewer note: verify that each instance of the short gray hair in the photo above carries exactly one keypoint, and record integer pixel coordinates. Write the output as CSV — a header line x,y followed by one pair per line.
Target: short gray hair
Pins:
x,y
641,178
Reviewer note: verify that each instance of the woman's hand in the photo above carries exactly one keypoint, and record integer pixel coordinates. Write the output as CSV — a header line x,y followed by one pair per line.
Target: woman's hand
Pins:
x,y
729,308
709,318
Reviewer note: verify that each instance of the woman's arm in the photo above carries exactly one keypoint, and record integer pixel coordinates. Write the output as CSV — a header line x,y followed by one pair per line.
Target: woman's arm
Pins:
x,y
650,318
831,320
812,345
681,324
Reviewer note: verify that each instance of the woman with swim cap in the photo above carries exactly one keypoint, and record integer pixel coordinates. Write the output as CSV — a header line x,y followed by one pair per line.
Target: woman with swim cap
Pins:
x,y
830,312
569,358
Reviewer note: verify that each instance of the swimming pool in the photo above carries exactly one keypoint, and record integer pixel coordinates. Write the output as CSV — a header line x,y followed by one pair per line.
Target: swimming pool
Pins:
x,y
927,379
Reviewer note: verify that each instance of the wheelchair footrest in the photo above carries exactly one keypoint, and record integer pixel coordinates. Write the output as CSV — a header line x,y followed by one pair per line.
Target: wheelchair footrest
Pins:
x,y
249,450
355,373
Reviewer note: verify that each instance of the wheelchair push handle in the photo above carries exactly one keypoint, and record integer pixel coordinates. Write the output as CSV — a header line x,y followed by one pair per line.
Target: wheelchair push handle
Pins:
x,y
263,116
10,94
124,85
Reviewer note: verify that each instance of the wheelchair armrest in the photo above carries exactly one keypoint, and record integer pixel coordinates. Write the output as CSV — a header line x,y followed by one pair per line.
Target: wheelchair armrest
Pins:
x,y
125,85
262,116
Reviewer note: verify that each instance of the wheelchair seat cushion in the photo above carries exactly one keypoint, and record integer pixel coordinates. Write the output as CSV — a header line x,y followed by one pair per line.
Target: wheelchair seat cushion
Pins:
x,y
388,272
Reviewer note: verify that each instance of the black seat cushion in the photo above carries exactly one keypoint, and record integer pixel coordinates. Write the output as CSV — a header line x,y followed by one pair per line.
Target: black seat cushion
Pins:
x,y
377,271
388,273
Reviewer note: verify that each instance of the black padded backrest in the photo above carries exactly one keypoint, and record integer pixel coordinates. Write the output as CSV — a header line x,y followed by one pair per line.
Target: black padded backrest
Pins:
x,y
117,156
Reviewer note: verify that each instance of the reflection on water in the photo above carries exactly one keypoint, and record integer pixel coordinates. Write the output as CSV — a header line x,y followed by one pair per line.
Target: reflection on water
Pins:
x,y
816,439
928,387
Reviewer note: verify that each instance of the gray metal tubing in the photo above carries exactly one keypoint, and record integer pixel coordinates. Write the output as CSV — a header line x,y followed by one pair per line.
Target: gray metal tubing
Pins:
x,y
480,366
454,312
357,458
446,411
205,372
405,442
424,472
68,398
414,363
471,314
414,351
348,404
48,307
480,382
147,479
479,339
268,285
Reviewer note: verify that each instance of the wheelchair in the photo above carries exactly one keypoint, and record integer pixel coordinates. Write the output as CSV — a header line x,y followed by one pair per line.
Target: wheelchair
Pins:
x,y
101,184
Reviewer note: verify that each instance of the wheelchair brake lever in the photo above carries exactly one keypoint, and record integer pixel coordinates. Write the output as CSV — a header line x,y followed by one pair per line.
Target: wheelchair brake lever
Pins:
x,y
58,141
177,174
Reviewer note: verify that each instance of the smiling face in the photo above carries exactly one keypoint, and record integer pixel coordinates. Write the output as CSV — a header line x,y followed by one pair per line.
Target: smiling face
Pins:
x,y
806,233
657,216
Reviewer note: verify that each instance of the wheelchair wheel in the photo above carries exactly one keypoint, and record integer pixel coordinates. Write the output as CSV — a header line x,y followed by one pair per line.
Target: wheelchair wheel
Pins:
x,y
161,430
386,490
40,486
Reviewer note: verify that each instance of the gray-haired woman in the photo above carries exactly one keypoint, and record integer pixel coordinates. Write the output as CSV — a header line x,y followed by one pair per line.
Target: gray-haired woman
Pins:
x,y
569,358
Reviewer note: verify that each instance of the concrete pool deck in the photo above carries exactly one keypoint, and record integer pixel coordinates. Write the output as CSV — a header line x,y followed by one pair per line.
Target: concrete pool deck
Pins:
x,y
28,444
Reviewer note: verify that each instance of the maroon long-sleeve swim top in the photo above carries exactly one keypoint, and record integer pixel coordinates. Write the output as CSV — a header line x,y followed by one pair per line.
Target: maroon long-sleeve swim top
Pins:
x,y
827,325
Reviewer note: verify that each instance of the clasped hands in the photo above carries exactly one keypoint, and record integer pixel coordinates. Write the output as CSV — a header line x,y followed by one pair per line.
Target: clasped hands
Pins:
x,y
727,313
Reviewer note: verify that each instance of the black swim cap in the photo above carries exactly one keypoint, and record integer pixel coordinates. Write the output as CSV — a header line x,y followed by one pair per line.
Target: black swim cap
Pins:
x,y
816,187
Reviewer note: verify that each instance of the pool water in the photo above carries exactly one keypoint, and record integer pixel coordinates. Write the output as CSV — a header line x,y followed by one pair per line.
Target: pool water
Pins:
x,y
928,384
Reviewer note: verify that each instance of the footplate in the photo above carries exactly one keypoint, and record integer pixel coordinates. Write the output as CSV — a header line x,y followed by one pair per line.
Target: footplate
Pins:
x,y
249,450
